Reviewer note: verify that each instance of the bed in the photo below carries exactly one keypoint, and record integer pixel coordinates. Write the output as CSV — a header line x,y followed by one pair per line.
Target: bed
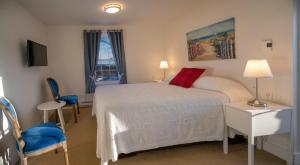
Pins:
x,y
136,117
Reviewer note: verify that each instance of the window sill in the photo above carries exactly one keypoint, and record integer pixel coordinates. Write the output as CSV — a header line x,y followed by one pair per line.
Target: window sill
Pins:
x,y
109,82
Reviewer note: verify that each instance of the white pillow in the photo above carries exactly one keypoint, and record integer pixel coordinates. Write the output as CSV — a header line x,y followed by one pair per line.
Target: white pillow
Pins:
x,y
170,77
234,90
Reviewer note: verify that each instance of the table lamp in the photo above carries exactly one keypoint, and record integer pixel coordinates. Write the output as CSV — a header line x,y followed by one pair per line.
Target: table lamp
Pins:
x,y
257,69
164,65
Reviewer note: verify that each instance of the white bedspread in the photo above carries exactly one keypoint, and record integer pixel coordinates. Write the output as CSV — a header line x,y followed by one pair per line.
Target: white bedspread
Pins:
x,y
137,117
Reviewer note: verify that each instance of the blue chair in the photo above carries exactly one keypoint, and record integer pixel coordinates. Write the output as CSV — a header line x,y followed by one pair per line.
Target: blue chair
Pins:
x,y
36,140
71,100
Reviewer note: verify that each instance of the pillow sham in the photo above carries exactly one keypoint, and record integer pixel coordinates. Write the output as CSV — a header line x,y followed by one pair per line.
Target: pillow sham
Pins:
x,y
170,76
186,77
234,90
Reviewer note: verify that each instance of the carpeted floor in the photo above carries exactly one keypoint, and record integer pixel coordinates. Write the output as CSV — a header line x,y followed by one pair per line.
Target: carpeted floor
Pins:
x,y
82,150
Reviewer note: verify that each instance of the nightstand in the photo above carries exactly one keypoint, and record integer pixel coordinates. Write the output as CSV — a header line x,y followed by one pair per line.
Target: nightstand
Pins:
x,y
52,105
256,122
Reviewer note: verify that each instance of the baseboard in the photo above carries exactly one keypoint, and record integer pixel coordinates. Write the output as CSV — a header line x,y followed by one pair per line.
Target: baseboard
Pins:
x,y
86,100
297,158
278,146
276,150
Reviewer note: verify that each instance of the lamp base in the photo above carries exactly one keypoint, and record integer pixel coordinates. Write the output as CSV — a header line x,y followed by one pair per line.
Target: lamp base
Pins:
x,y
257,103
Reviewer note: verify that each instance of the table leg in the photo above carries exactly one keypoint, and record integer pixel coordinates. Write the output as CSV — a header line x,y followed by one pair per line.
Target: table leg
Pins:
x,y
250,150
46,116
104,162
225,141
61,119
260,142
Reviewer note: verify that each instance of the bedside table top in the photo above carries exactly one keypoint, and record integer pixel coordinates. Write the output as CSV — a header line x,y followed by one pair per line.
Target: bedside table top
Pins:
x,y
51,105
243,106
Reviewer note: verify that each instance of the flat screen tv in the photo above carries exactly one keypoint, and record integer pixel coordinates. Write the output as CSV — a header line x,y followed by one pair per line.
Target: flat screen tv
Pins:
x,y
37,54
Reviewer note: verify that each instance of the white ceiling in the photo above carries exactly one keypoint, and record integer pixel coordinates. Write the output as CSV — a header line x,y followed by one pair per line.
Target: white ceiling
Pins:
x,y
90,12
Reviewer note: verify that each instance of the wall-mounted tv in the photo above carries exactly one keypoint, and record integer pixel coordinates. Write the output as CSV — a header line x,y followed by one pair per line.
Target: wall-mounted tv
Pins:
x,y
37,54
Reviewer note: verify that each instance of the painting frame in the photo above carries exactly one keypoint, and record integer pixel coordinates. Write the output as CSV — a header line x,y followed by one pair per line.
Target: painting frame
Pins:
x,y
212,42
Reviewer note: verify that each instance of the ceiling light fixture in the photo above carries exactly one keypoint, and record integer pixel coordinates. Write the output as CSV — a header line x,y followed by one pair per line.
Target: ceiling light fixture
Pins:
x,y
112,8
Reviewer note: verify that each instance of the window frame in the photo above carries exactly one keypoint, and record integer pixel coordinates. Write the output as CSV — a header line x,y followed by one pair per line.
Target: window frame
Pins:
x,y
111,76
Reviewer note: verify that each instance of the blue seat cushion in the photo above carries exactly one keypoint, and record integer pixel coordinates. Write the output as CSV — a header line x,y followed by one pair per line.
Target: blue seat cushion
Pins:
x,y
69,99
41,136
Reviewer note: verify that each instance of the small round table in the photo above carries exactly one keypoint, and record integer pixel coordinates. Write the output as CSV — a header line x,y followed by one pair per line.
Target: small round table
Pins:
x,y
52,105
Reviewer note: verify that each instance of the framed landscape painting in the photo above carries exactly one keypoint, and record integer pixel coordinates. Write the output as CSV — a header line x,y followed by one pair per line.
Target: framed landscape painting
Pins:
x,y
214,42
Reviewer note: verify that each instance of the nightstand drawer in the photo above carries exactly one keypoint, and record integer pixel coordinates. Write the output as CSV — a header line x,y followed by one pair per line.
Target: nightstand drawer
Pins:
x,y
259,123
269,123
238,120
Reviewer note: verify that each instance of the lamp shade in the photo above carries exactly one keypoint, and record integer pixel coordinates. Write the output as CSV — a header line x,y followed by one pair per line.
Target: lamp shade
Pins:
x,y
163,65
257,68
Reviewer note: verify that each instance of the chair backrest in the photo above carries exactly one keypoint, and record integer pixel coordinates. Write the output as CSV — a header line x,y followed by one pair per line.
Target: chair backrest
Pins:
x,y
12,117
54,88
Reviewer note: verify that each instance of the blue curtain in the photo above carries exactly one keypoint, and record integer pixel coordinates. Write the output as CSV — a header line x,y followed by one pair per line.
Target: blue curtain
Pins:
x,y
91,51
117,43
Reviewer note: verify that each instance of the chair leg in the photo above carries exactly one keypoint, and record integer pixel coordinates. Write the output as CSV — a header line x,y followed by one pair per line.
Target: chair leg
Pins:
x,y
75,113
66,158
104,162
77,105
24,161
66,153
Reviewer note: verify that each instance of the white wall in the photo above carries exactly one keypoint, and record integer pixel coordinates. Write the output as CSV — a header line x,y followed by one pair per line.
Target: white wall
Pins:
x,y
256,20
143,51
23,85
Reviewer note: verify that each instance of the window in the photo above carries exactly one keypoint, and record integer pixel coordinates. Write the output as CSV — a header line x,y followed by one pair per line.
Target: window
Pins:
x,y
106,66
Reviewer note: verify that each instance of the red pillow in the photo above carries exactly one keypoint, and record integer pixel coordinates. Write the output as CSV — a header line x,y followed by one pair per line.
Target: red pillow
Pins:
x,y
186,77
